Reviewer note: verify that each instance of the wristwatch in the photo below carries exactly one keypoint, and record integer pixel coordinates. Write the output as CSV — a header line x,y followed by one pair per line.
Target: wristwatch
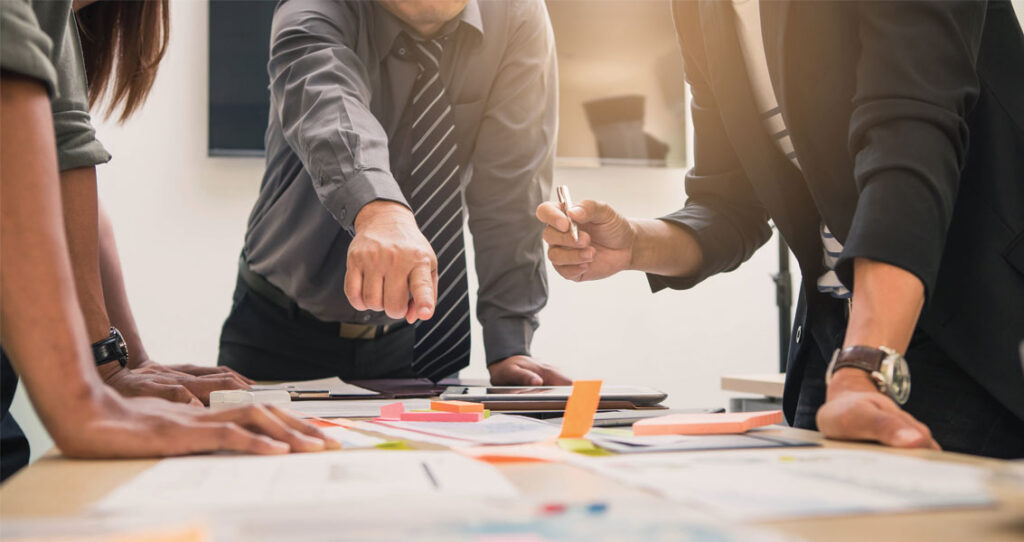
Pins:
x,y
110,349
887,367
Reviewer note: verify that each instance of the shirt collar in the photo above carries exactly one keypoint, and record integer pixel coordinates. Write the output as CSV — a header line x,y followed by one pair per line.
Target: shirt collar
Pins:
x,y
387,27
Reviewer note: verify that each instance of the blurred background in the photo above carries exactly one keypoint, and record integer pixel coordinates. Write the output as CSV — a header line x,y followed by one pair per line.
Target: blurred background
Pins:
x,y
179,195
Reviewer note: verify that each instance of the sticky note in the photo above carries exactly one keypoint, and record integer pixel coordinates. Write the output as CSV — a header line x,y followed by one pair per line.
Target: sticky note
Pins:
x,y
456,406
393,411
433,416
706,424
581,446
580,409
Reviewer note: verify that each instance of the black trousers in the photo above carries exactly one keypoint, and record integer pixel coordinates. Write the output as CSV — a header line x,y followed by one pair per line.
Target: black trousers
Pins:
x,y
14,451
266,342
961,414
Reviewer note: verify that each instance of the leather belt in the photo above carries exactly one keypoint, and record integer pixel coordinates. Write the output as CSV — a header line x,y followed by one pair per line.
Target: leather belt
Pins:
x,y
276,297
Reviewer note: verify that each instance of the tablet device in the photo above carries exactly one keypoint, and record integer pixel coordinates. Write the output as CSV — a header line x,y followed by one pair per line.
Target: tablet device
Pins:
x,y
638,395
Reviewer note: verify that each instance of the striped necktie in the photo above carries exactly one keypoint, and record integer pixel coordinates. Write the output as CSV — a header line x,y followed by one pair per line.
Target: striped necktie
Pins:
x,y
432,189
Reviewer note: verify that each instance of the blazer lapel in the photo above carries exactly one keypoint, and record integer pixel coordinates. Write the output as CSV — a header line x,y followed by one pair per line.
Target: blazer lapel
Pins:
x,y
778,184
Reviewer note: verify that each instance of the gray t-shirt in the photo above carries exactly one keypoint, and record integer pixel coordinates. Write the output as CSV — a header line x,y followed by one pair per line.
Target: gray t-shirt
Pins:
x,y
39,39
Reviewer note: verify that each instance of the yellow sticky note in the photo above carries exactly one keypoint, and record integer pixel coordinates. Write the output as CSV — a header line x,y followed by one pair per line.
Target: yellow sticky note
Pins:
x,y
580,409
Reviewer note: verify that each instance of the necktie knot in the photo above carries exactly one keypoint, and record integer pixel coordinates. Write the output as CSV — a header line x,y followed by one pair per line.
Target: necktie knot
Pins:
x,y
426,53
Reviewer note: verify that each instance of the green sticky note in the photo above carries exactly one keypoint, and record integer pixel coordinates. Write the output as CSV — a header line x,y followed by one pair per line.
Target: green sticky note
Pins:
x,y
581,446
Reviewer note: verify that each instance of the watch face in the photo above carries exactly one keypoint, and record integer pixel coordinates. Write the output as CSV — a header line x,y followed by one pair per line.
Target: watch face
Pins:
x,y
900,378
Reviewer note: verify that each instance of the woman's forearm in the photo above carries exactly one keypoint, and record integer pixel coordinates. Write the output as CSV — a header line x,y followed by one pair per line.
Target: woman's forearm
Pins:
x,y
78,196
41,322
114,293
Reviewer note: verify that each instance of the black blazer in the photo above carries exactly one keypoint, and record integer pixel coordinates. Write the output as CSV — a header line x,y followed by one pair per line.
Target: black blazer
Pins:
x,y
908,123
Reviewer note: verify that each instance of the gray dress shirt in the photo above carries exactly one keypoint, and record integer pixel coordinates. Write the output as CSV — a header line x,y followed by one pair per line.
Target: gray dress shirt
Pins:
x,y
336,142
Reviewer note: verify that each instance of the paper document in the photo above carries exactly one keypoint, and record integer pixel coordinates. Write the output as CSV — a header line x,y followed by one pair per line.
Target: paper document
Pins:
x,y
497,429
626,443
214,482
360,408
350,439
333,385
769,485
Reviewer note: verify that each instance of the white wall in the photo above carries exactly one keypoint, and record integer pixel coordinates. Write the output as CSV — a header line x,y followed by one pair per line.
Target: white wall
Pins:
x,y
180,217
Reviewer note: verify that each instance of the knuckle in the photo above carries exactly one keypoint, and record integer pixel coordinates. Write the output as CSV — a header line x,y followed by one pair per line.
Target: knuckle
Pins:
x,y
226,431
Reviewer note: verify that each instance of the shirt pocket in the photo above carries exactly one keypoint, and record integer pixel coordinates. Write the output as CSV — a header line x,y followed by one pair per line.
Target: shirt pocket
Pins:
x,y
467,117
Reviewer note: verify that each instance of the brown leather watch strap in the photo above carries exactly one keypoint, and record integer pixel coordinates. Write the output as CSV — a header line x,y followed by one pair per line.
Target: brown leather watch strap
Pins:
x,y
864,358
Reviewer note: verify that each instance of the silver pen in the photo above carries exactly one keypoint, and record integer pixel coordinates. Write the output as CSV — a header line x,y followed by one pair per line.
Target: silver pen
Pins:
x,y
565,201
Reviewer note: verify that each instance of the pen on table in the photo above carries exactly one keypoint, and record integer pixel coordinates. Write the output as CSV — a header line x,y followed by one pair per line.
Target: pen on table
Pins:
x,y
565,201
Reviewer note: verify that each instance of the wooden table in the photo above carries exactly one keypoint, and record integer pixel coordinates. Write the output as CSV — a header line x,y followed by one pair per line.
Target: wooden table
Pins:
x,y
54,486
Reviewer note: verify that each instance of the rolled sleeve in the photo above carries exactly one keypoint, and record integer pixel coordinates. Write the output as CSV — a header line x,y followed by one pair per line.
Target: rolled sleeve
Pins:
x,y
722,212
507,337
723,244
320,94
509,182
916,83
77,145
24,48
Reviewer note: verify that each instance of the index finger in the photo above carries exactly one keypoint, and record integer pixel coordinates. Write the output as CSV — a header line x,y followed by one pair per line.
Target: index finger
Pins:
x,y
303,427
422,287
551,214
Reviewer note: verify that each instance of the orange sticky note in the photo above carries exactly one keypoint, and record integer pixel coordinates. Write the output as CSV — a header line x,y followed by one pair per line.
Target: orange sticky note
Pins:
x,y
456,406
580,409
706,424
393,411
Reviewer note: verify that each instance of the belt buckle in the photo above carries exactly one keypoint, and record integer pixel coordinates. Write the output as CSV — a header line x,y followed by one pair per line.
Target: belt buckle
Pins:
x,y
357,331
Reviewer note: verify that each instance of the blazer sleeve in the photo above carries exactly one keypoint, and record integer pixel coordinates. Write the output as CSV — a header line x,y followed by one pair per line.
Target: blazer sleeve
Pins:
x,y
721,210
916,84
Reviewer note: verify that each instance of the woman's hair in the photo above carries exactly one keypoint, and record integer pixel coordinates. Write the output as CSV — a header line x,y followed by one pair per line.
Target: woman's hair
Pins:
x,y
123,43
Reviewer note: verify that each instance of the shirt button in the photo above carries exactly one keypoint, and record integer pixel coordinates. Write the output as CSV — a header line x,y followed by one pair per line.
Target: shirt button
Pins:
x,y
366,317
799,333
401,51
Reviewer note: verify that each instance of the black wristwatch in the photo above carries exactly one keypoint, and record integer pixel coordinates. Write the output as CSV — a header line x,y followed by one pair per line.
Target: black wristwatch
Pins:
x,y
110,349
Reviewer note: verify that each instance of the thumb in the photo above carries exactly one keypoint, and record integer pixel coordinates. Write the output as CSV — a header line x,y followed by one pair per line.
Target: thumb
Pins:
x,y
888,425
520,376
422,288
592,212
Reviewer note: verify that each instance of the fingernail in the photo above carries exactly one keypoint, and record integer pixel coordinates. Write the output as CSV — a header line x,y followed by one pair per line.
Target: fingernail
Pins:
x,y
424,312
315,444
906,436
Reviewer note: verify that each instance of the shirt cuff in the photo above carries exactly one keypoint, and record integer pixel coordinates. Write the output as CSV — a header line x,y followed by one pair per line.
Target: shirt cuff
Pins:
x,y
507,337
77,145
368,185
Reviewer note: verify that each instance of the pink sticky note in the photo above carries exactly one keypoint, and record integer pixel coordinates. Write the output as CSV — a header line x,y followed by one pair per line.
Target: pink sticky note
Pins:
x,y
442,416
393,411
706,424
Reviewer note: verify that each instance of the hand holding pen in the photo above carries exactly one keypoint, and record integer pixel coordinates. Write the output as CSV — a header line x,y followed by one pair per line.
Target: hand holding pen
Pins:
x,y
588,241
